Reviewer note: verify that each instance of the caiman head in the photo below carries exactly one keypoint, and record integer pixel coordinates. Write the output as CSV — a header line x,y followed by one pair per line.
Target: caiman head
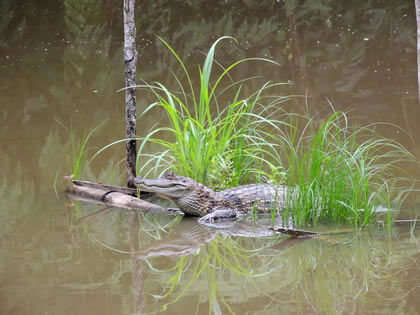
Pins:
x,y
169,185
185,192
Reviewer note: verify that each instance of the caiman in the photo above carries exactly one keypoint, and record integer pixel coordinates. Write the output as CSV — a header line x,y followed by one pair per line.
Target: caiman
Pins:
x,y
196,199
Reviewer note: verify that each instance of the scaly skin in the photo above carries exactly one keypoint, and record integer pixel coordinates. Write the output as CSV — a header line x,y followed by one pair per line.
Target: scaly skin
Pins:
x,y
196,199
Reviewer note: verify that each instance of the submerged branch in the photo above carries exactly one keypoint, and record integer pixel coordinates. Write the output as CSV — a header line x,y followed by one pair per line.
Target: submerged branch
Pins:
x,y
294,232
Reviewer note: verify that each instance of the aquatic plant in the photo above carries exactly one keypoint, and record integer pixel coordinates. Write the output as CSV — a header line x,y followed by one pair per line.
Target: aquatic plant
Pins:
x,y
78,157
337,171
204,139
342,172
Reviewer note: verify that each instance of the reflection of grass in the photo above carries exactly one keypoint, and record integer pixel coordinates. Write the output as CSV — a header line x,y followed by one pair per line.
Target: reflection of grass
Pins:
x,y
413,226
223,254
328,276
347,275
80,233
323,275
156,225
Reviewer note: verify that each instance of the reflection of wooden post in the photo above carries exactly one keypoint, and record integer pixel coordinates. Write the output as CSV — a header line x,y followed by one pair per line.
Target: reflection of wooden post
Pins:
x,y
136,267
130,60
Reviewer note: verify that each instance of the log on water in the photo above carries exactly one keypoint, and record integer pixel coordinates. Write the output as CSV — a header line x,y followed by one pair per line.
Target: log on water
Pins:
x,y
124,190
116,199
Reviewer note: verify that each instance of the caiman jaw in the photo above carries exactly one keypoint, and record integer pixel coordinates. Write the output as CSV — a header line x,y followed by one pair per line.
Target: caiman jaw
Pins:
x,y
164,187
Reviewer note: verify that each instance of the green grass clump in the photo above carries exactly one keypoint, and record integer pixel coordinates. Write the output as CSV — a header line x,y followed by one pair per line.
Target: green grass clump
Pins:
x,y
218,145
341,173
337,172
79,149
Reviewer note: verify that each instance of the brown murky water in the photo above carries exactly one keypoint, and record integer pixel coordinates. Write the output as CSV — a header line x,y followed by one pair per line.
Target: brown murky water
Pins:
x,y
63,62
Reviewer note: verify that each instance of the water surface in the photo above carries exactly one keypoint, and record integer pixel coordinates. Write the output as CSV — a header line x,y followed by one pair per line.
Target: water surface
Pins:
x,y
62,61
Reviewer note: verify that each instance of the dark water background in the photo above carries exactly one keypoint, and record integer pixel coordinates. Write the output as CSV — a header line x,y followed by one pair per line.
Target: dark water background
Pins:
x,y
62,61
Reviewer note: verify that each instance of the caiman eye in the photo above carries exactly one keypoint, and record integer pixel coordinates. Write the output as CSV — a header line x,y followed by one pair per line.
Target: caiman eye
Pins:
x,y
169,175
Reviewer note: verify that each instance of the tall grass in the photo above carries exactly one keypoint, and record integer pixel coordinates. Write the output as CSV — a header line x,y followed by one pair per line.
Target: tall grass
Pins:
x,y
340,172
217,145
79,148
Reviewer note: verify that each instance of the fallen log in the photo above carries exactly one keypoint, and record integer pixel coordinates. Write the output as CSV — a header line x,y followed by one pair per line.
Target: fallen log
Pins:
x,y
123,190
116,199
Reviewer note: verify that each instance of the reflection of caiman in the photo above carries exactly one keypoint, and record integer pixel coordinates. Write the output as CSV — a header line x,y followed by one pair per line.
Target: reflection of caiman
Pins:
x,y
196,199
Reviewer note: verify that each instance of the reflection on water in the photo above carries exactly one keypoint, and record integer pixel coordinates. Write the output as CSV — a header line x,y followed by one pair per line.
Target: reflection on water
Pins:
x,y
119,262
64,62
177,264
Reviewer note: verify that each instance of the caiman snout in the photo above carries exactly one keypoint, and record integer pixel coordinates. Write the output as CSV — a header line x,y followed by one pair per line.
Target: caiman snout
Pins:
x,y
170,185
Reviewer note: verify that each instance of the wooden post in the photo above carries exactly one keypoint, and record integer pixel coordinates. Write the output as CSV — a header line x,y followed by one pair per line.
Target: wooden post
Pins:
x,y
130,60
